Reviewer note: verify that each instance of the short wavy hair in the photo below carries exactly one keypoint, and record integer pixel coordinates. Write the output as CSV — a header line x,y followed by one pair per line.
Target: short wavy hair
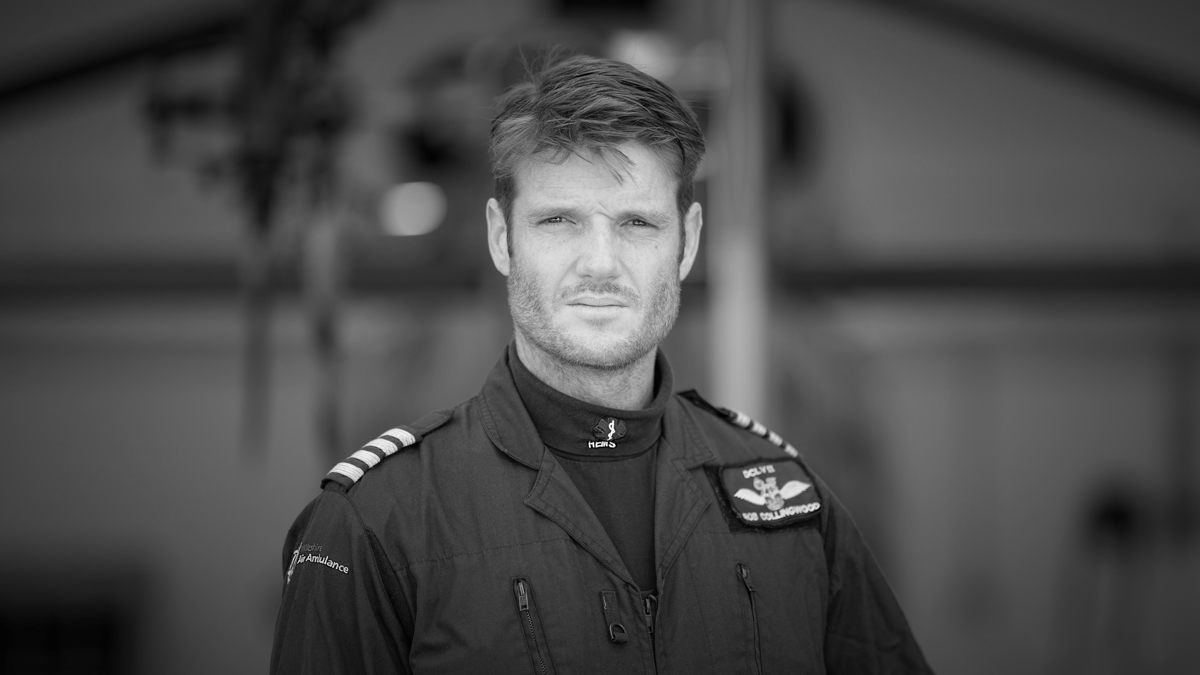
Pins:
x,y
589,106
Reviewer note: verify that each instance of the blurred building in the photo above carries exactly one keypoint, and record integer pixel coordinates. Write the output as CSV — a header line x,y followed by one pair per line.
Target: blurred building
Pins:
x,y
952,254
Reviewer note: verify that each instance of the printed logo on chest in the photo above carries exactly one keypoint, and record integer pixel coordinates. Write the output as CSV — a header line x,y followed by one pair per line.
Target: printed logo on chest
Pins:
x,y
607,431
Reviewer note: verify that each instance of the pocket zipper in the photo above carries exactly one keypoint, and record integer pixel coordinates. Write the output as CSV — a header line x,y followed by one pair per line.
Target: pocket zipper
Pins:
x,y
744,574
525,609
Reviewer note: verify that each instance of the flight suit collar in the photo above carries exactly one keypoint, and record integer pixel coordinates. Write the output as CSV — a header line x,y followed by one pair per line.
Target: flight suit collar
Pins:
x,y
552,494
681,491
505,419
680,501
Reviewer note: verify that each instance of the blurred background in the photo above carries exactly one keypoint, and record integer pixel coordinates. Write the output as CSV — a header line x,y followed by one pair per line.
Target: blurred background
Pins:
x,y
951,253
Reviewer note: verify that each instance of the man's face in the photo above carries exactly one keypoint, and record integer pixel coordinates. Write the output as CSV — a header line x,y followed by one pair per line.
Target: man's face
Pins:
x,y
596,260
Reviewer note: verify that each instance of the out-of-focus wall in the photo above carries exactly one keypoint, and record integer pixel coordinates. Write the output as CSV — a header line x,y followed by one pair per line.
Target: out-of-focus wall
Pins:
x,y
1012,466
121,421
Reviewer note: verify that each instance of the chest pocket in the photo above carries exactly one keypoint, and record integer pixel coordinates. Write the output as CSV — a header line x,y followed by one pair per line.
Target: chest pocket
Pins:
x,y
533,608
782,604
743,573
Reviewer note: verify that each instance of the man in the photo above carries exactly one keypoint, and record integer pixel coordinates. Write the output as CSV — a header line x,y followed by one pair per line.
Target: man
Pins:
x,y
576,516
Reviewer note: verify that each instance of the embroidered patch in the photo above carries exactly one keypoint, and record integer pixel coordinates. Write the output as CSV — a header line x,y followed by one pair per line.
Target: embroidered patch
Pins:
x,y
769,493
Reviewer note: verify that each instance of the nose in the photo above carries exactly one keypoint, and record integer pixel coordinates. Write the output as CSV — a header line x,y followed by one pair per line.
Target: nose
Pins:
x,y
600,255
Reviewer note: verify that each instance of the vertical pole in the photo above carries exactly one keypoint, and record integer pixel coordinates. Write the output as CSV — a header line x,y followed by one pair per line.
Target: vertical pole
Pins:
x,y
736,229
324,272
257,305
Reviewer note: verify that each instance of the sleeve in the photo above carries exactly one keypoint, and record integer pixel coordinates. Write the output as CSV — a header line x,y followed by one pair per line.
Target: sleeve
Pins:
x,y
342,609
866,630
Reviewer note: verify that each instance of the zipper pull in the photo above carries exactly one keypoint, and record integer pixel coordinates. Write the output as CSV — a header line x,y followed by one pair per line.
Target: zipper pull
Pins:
x,y
744,573
522,596
649,605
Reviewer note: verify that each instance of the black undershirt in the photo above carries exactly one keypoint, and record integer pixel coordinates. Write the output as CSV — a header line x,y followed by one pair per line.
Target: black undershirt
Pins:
x,y
617,482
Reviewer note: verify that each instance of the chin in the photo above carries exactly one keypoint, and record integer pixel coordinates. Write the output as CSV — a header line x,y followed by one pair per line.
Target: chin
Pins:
x,y
605,352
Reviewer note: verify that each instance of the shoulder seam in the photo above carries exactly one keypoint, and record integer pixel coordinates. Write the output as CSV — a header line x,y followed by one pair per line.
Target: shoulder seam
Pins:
x,y
741,420
382,559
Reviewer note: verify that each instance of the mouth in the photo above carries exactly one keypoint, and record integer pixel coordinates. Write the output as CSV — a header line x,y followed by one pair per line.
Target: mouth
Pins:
x,y
597,301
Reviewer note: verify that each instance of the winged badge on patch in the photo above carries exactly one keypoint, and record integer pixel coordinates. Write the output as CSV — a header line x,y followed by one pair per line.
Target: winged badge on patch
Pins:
x,y
771,493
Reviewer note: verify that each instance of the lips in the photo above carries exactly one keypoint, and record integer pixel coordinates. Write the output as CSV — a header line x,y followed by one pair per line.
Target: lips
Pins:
x,y
597,301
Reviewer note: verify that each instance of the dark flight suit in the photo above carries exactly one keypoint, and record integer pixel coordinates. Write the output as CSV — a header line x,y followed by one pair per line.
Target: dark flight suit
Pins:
x,y
458,544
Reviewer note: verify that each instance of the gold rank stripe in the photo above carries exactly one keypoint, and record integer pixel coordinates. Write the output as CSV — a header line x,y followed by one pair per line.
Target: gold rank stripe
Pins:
x,y
350,470
746,422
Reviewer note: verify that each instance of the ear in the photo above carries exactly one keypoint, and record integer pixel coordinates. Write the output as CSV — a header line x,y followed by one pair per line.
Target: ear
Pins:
x,y
497,236
693,222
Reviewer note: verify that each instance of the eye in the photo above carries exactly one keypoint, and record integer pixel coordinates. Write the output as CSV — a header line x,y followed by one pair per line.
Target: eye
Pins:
x,y
638,222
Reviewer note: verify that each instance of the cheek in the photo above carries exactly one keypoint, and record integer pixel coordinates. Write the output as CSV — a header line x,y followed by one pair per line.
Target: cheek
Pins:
x,y
657,265
533,271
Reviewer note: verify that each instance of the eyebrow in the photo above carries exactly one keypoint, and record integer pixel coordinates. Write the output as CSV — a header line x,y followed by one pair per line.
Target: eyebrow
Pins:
x,y
653,215
548,211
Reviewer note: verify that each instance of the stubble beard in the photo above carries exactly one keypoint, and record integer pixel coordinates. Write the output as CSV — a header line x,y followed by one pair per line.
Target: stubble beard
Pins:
x,y
535,321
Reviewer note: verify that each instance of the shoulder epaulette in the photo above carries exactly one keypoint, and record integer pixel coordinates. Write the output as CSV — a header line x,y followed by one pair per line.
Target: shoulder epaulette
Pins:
x,y
348,471
741,419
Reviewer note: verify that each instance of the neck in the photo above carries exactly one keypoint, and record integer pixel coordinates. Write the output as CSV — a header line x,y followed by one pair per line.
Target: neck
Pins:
x,y
627,388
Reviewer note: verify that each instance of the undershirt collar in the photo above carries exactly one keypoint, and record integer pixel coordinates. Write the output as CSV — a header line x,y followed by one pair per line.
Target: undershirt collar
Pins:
x,y
587,431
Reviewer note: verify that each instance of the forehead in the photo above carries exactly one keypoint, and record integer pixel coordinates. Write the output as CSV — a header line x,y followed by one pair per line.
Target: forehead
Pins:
x,y
645,180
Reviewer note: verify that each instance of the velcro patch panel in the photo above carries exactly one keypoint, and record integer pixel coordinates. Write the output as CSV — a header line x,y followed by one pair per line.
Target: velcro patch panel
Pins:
x,y
769,493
